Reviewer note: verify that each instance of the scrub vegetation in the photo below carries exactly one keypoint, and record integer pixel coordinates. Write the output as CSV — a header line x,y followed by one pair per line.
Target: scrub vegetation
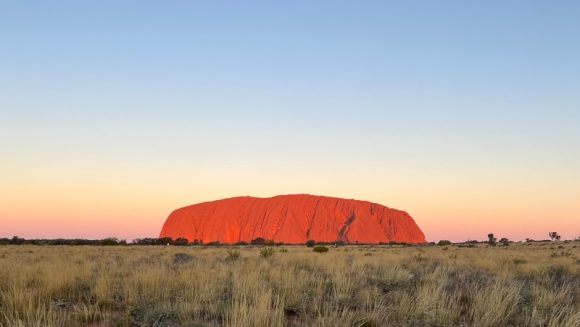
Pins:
x,y
525,284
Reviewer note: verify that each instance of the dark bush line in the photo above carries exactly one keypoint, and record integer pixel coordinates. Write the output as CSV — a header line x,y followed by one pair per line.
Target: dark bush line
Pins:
x,y
111,241
60,241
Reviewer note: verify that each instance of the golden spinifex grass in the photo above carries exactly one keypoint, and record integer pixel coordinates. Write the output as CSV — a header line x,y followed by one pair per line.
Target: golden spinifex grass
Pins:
x,y
534,284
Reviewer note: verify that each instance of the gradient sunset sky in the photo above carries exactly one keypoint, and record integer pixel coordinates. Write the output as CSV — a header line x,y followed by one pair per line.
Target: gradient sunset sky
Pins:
x,y
466,114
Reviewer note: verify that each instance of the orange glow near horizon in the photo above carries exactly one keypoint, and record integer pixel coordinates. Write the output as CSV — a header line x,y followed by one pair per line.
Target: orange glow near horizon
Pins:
x,y
129,206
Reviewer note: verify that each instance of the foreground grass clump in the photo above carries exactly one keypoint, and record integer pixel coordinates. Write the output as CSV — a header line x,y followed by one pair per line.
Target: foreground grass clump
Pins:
x,y
519,285
320,249
266,252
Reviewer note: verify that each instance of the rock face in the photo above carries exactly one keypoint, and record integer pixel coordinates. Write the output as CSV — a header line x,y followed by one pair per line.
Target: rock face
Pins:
x,y
291,219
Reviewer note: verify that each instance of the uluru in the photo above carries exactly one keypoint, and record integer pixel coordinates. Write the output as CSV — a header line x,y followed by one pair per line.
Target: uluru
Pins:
x,y
291,219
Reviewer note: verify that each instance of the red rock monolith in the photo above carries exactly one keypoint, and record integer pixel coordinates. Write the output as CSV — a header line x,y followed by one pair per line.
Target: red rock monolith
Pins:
x,y
292,219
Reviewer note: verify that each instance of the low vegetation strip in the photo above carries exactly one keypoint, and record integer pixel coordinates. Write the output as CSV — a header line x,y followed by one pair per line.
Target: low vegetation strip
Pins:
x,y
524,284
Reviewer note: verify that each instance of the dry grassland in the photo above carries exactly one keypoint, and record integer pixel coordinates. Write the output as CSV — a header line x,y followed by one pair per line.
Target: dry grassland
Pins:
x,y
535,284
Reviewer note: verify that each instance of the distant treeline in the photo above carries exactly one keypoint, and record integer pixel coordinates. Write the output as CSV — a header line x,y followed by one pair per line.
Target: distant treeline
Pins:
x,y
111,241
60,241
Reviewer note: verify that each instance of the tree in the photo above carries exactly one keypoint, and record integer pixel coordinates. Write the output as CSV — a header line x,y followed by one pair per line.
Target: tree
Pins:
x,y
181,242
310,243
504,241
554,236
444,242
164,241
110,241
491,239
17,240
197,242
258,241
269,243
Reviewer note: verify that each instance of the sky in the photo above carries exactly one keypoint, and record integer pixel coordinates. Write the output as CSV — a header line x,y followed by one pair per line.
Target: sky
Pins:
x,y
465,114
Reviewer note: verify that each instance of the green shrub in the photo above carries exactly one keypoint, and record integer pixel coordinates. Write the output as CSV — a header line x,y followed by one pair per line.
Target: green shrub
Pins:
x,y
266,252
444,242
320,249
310,243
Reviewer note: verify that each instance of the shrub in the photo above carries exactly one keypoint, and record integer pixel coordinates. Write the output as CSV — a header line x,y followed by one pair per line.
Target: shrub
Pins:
x,y
17,240
164,241
110,241
181,242
310,243
504,241
233,255
146,241
444,242
258,241
491,239
320,249
266,252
